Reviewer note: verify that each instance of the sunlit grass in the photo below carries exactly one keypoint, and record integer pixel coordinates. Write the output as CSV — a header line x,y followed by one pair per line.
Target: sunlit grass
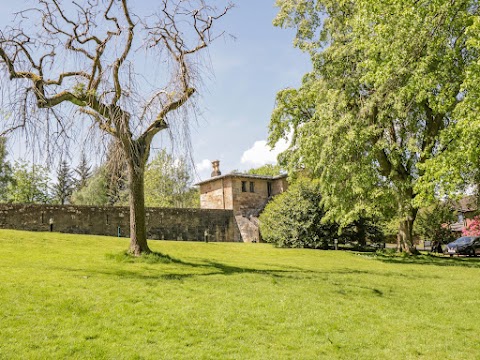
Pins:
x,y
80,297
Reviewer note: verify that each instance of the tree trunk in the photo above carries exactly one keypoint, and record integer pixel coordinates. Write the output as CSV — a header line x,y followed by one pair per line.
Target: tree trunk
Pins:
x,y
138,229
361,233
405,232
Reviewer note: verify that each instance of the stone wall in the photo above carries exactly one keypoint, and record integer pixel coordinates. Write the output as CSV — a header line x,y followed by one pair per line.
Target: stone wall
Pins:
x,y
162,223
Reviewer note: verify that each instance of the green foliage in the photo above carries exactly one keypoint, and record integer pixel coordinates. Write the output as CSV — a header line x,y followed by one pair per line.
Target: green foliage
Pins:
x,y
457,165
6,176
168,183
107,185
266,170
61,300
294,218
63,188
386,82
95,192
362,232
433,223
30,184
83,172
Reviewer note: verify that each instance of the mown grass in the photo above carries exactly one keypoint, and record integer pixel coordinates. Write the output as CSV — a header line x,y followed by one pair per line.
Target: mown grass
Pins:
x,y
78,297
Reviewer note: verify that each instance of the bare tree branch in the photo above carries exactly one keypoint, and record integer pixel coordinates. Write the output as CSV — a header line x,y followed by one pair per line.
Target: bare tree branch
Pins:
x,y
80,56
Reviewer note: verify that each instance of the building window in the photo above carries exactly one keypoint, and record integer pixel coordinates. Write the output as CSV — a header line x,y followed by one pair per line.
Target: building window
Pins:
x,y
252,186
269,189
244,186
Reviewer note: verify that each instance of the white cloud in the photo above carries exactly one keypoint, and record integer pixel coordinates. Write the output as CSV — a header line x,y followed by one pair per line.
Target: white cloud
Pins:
x,y
260,153
203,165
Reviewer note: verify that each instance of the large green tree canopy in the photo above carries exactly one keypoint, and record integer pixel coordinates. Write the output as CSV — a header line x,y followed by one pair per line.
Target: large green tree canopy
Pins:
x,y
387,79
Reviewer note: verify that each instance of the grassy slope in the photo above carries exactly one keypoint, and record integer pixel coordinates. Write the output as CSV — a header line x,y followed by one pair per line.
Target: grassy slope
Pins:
x,y
69,296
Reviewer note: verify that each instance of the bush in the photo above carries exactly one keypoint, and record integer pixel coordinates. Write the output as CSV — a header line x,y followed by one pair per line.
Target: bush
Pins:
x,y
361,232
433,224
293,218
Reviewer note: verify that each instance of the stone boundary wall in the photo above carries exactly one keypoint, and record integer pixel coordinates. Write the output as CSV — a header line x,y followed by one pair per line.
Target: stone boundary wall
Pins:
x,y
162,223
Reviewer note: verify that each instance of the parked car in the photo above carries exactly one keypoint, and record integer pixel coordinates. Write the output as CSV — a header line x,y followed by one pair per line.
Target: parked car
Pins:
x,y
466,245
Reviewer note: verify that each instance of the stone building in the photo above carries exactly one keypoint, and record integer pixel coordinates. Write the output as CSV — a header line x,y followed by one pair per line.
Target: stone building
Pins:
x,y
245,194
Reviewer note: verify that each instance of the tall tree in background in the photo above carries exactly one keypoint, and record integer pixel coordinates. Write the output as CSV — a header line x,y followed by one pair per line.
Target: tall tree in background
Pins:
x,y
387,77
168,183
63,188
58,58
83,172
95,191
266,170
30,185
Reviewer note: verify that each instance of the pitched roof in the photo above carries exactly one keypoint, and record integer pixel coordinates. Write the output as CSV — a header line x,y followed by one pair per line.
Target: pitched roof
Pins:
x,y
466,204
244,176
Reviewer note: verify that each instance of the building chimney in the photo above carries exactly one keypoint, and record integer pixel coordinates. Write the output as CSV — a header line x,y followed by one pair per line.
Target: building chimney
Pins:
x,y
216,168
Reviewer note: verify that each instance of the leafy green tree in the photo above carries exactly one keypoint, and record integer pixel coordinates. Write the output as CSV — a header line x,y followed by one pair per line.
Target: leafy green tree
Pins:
x,y
294,218
362,232
30,185
168,183
63,188
6,177
386,80
266,170
457,165
434,222
95,191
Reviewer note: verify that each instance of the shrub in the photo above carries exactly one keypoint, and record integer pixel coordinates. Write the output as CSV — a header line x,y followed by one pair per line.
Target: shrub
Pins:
x,y
293,218
433,223
473,227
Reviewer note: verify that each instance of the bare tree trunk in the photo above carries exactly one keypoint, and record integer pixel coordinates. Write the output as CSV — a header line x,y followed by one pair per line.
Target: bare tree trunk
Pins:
x,y
138,229
405,232
136,156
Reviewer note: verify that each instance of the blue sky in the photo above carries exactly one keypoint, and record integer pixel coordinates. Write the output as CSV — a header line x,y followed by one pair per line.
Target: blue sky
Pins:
x,y
237,100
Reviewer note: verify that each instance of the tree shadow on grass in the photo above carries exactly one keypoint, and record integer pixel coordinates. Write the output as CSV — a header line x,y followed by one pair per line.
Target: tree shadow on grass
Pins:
x,y
210,268
429,259
204,268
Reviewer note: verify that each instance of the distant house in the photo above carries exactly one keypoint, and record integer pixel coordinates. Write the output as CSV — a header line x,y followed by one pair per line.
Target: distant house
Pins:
x,y
245,194
465,208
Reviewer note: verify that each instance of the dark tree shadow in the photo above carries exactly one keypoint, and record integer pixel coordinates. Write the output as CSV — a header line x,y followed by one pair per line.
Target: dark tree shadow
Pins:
x,y
210,267
428,259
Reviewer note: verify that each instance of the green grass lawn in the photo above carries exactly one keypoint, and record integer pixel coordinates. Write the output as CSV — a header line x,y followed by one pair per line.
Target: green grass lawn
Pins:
x,y
77,297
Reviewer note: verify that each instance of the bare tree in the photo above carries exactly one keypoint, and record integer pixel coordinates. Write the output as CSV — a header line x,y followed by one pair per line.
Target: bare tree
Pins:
x,y
86,57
